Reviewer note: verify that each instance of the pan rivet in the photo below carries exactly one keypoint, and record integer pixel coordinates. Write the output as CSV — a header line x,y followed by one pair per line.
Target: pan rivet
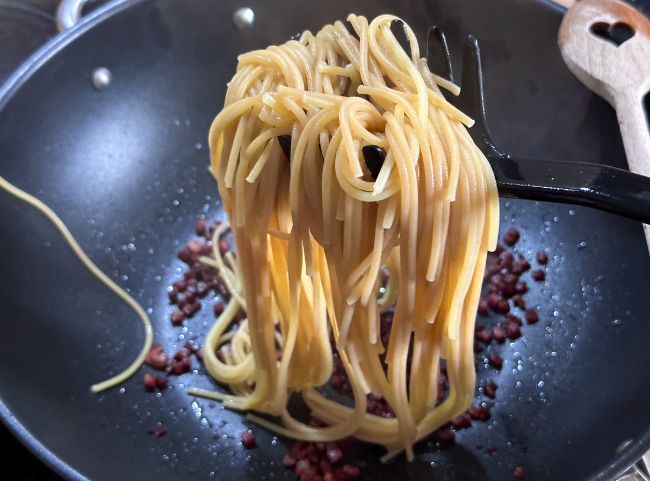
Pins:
x,y
101,78
243,17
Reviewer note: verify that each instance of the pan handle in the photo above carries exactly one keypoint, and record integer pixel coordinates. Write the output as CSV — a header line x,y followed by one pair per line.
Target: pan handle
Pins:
x,y
633,474
69,13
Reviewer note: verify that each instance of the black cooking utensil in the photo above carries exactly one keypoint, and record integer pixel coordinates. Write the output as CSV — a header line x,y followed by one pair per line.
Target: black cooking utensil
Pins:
x,y
594,185
603,187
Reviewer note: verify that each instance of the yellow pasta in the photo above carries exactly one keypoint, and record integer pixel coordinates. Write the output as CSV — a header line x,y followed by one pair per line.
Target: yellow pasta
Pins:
x,y
315,232
100,275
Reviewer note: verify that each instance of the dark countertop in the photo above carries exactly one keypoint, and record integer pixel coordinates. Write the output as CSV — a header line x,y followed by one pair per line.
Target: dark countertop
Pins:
x,y
24,26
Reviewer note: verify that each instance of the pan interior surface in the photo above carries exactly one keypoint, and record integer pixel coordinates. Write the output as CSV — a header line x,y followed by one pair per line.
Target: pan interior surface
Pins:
x,y
126,169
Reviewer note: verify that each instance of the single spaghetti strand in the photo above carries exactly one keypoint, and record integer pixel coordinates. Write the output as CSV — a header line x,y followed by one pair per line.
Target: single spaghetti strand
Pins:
x,y
97,272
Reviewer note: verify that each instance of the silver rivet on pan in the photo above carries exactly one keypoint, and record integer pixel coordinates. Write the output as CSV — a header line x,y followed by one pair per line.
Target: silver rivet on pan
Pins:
x,y
101,78
243,17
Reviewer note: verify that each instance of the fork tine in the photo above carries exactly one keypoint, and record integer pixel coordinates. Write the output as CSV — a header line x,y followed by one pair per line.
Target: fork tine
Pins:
x,y
438,56
397,27
471,99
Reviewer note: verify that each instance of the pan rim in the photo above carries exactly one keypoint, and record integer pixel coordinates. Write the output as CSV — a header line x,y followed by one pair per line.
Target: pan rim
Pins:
x,y
13,84
8,89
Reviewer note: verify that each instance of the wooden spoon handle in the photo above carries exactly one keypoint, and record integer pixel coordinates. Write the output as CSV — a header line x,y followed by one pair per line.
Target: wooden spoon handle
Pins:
x,y
633,123
564,3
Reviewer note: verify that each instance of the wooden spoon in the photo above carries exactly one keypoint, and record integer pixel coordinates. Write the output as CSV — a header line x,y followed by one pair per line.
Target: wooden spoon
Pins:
x,y
594,44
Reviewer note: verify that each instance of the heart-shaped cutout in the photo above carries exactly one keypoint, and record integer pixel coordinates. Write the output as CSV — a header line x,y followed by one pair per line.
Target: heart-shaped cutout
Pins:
x,y
617,33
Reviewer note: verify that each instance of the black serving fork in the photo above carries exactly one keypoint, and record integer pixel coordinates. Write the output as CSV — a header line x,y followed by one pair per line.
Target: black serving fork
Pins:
x,y
599,186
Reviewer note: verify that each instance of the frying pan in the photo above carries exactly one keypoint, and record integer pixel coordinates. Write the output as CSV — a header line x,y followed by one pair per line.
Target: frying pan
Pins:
x,y
125,167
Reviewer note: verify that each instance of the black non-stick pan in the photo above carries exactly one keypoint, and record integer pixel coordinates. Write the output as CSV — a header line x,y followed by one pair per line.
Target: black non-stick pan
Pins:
x,y
126,169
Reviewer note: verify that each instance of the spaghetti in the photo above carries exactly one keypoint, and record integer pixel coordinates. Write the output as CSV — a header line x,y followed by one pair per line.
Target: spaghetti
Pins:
x,y
315,232
101,276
